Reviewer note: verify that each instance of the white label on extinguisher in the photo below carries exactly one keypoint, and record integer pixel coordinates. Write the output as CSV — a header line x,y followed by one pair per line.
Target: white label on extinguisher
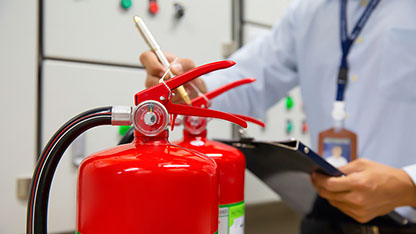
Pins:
x,y
231,219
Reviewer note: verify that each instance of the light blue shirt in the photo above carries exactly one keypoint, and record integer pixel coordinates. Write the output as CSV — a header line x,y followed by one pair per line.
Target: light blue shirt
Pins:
x,y
304,49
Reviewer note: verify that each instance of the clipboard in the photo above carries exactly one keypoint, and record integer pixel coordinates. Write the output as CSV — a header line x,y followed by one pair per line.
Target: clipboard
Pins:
x,y
285,167
270,157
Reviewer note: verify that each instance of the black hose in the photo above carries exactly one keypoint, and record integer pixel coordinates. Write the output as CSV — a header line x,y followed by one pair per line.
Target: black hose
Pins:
x,y
37,211
128,137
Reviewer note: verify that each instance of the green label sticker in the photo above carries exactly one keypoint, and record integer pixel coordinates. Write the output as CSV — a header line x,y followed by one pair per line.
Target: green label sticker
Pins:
x,y
231,218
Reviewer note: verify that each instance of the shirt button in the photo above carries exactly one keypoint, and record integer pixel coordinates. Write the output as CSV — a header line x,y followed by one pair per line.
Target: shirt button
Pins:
x,y
364,3
354,78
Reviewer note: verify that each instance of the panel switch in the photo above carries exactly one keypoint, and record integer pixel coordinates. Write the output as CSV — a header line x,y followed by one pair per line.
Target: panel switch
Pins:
x,y
179,10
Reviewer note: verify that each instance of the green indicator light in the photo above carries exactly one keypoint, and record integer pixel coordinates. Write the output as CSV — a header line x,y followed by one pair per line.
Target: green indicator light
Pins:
x,y
289,102
126,4
123,130
289,126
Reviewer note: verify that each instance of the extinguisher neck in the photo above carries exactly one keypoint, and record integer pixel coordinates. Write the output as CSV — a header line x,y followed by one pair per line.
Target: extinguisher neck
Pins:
x,y
161,138
188,135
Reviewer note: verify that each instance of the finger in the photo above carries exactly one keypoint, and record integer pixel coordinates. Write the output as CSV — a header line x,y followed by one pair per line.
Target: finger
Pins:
x,y
354,166
177,68
332,184
187,64
345,197
182,65
152,64
190,89
170,57
177,98
200,84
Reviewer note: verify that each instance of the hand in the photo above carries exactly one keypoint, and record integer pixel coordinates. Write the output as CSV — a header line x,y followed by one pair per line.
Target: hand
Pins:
x,y
155,71
368,190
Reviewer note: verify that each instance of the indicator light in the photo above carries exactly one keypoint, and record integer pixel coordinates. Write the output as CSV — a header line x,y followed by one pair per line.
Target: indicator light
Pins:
x,y
305,127
153,7
126,4
289,102
289,126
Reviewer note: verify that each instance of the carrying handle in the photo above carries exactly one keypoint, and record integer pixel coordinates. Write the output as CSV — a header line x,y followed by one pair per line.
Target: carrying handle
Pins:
x,y
202,101
251,120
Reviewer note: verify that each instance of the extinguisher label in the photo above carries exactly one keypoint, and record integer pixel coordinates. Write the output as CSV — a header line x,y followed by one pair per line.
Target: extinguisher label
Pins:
x,y
231,218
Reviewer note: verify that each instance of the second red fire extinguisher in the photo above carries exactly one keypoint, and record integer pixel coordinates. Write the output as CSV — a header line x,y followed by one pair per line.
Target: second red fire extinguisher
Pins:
x,y
231,162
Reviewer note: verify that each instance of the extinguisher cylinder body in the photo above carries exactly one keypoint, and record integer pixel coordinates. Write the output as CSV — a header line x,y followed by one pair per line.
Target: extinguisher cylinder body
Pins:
x,y
231,168
148,186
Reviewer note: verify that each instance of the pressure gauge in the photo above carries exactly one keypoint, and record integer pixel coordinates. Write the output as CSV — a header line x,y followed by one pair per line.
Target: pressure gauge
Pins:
x,y
150,118
195,125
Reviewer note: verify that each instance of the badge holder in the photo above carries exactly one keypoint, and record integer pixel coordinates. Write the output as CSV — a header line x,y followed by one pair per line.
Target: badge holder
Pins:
x,y
338,145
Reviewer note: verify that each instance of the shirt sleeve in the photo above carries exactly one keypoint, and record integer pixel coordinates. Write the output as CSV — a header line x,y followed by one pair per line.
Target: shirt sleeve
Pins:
x,y
411,171
271,59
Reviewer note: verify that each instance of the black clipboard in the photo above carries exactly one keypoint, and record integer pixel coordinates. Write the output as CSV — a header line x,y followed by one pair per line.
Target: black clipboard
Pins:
x,y
270,157
285,167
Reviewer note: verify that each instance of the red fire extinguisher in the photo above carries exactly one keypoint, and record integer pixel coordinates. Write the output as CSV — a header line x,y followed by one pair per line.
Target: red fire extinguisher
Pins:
x,y
147,187
231,162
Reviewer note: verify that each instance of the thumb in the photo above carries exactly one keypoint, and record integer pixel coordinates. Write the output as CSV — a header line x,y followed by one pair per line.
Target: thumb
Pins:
x,y
352,167
187,64
182,65
177,68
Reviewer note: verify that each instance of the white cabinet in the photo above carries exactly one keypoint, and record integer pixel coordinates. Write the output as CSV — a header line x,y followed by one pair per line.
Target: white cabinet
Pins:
x,y
18,67
103,31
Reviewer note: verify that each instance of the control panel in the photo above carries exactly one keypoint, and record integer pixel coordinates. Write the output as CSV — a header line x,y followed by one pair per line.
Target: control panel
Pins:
x,y
104,31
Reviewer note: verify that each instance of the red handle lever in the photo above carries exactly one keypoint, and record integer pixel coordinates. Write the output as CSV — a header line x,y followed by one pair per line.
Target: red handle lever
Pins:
x,y
251,119
202,112
201,100
160,93
197,72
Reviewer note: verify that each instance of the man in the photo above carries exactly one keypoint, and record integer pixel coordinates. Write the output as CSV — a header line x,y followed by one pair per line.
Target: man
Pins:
x,y
336,159
305,49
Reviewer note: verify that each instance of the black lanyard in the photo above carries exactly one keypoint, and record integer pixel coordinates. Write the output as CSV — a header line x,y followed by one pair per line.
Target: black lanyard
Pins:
x,y
348,41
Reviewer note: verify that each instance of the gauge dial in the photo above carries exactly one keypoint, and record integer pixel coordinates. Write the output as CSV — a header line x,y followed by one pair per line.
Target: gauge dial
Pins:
x,y
150,118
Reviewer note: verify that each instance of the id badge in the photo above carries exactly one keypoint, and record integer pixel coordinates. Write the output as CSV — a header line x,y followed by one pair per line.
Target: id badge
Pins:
x,y
338,147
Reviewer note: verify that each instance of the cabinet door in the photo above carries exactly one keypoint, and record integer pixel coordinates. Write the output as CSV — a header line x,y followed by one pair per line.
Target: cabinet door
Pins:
x,y
103,31
69,89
